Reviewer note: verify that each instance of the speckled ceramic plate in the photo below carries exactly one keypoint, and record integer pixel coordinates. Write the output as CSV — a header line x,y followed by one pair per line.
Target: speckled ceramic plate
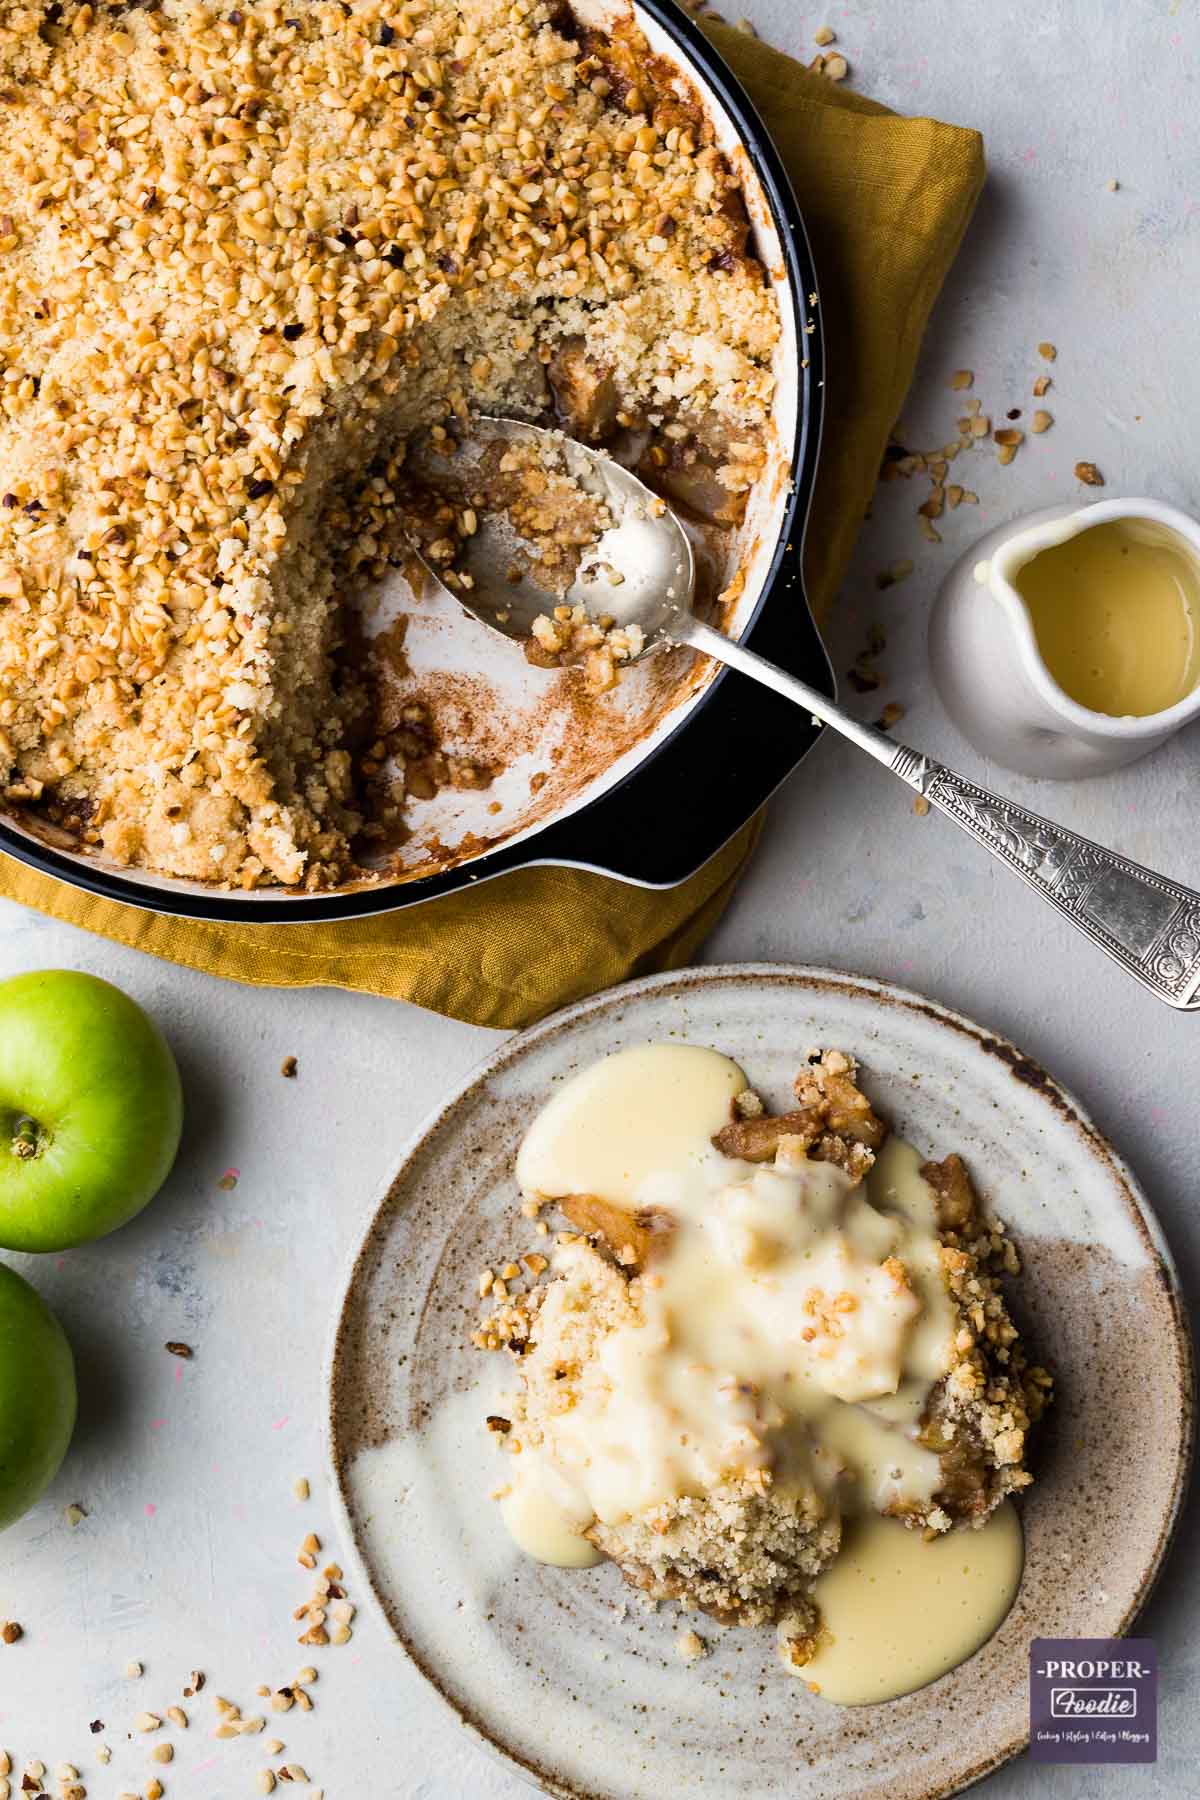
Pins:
x,y
561,1671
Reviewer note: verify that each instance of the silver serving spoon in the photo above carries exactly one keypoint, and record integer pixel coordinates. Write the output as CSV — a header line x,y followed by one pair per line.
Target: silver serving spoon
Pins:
x,y
1146,923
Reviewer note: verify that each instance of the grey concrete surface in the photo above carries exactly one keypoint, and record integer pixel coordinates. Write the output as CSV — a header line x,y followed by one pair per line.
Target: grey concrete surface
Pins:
x,y
186,1557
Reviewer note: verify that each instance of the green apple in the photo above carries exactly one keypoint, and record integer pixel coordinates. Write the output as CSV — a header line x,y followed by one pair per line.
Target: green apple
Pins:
x,y
37,1396
90,1109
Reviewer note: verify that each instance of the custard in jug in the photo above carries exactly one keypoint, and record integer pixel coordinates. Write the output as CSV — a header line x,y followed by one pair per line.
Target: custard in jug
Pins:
x,y
1115,610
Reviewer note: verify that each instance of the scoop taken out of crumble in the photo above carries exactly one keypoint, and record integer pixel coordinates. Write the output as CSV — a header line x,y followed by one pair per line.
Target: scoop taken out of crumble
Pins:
x,y
721,1361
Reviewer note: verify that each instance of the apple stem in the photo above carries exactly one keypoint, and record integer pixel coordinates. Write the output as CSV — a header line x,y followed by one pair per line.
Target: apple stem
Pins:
x,y
26,1141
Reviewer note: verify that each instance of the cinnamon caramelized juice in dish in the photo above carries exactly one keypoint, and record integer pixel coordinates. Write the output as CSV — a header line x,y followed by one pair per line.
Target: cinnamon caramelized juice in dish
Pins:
x,y
769,1359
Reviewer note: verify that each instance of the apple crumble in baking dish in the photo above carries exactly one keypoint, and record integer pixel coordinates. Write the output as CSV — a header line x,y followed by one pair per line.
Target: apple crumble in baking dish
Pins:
x,y
751,1331
247,255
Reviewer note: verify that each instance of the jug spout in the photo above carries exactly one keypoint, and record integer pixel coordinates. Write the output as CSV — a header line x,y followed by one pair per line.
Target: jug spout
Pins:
x,y
1003,686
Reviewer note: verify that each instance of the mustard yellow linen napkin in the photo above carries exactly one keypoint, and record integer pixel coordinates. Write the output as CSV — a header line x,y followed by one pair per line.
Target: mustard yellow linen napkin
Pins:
x,y
886,201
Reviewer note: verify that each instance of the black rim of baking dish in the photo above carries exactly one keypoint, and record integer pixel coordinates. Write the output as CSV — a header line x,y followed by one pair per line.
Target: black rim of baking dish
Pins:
x,y
721,761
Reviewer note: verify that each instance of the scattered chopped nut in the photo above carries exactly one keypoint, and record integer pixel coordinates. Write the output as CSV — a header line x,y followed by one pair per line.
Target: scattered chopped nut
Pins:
x,y
895,572
962,378
1089,474
154,1788
300,1488
920,806
289,1068
178,1349
147,1721
1112,184
891,715
163,1753
11,1632
76,1514
178,1717
1047,351
266,1781
689,1647
1041,421
824,34
836,67
1041,386
134,1670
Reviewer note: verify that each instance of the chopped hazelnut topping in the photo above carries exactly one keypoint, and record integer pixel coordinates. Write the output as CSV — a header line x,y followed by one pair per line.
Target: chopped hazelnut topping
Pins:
x,y
244,250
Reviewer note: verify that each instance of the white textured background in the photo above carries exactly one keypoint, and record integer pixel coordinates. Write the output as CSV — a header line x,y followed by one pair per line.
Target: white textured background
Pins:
x,y
186,1558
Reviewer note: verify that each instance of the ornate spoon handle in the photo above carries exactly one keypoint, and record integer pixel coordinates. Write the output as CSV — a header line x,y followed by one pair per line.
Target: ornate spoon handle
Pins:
x,y
1148,924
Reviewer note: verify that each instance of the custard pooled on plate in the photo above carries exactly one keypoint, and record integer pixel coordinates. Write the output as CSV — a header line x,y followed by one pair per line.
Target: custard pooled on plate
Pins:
x,y
754,1328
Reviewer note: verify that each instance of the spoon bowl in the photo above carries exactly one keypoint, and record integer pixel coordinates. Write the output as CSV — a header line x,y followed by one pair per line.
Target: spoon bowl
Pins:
x,y
640,571
640,575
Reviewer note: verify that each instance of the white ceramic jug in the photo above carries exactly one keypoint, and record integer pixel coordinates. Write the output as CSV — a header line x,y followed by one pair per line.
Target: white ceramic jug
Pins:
x,y
990,673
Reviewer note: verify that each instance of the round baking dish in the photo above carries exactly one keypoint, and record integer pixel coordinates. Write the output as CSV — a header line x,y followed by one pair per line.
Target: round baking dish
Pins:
x,y
716,742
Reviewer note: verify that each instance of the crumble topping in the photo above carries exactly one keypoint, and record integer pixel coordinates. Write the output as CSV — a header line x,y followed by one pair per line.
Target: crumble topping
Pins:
x,y
244,255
